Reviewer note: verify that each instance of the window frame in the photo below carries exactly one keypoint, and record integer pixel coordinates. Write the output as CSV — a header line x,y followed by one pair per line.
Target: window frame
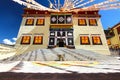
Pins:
x,y
57,19
38,43
87,39
84,21
96,43
63,19
68,41
108,42
52,43
26,23
37,24
96,24
23,43
66,21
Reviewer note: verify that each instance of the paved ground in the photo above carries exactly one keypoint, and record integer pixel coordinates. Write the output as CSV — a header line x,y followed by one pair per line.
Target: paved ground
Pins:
x,y
58,54
60,64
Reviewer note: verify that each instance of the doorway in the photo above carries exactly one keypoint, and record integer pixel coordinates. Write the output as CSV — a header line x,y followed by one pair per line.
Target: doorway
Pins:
x,y
61,42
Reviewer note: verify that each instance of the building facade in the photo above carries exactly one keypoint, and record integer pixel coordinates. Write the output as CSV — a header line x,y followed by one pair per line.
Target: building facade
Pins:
x,y
114,39
76,30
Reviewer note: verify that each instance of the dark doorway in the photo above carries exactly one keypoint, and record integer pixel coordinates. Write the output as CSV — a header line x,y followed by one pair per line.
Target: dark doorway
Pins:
x,y
61,43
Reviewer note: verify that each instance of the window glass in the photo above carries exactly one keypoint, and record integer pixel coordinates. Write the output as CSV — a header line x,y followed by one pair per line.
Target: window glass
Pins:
x,y
84,40
92,22
40,22
108,42
54,19
29,22
82,22
52,33
38,40
25,40
61,19
68,19
70,41
51,41
96,40
60,33
70,33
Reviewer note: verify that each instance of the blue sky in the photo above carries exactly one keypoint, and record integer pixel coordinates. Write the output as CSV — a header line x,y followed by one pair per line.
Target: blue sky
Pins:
x,y
10,18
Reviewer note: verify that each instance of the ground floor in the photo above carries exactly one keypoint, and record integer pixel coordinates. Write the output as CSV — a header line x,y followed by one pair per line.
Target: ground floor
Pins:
x,y
61,38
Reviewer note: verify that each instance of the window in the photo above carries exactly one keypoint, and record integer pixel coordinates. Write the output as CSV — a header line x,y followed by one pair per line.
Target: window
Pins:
x,y
38,40
82,22
92,22
68,19
29,22
108,42
60,33
54,19
70,41
96,40
25,40
61,19
69,33
118,30
84,40
51,41
52,33
40,22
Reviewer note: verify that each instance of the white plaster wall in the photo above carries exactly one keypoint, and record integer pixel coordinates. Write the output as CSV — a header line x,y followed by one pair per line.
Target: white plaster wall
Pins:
x,y
103,49
32,31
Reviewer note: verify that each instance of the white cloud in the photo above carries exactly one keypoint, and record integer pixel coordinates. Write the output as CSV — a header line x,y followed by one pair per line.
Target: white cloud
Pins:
x,y
14,39
9,42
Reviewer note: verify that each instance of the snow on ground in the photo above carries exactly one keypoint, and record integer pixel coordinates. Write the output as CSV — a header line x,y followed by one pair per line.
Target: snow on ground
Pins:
x,y
80,62
3,56
59,67
5,67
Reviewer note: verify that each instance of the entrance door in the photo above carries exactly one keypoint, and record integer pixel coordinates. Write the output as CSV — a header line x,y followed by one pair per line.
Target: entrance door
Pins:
x,y
61,42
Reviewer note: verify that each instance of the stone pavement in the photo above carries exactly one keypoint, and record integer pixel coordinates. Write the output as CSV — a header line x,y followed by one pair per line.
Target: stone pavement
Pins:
x,y
59,54
60,64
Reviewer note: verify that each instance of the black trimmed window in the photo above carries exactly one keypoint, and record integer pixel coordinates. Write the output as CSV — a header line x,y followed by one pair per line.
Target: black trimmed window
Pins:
x,y
29,22
84,40
51,41
82,22
69,33
25,39
52,33
61,19
68,19
38,40
61,33
54,19
96,40
40,22
70,41
93,22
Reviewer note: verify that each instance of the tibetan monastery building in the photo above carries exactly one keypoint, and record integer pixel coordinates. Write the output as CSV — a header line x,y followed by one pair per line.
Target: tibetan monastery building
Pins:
x,y
75,30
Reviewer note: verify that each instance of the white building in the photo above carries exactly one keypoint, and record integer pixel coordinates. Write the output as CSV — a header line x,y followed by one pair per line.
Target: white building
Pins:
x,y
45,29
